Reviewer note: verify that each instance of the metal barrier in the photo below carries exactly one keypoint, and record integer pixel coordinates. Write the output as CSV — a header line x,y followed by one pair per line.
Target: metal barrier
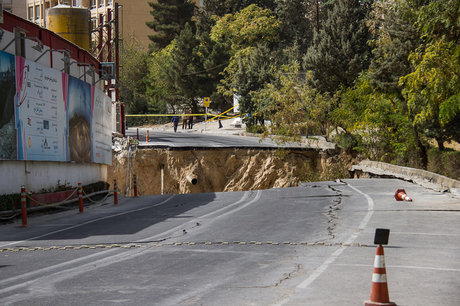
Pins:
x,y
81,195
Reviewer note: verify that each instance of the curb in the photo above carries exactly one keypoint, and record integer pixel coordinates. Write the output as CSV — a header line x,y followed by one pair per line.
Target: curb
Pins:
x,y
368,168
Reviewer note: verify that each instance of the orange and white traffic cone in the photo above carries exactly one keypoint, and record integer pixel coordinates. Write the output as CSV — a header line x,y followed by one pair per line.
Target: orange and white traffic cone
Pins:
x,y
400,195
379,291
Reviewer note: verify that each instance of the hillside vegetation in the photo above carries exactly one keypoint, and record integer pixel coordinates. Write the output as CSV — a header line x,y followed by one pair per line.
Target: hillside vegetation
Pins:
x,y
382,76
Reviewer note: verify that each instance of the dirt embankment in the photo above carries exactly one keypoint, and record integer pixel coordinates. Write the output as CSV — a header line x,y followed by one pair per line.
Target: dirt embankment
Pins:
x,y
171,171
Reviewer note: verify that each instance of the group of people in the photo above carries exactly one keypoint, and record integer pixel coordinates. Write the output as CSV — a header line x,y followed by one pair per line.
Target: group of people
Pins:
x,y
187,121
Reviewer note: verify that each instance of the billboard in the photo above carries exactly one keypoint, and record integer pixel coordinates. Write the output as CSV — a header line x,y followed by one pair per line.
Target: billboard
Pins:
x,y
79,120
40,112
47,115
7,93
102,136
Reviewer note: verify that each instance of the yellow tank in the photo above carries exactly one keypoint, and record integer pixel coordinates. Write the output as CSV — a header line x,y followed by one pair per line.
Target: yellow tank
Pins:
x,y
72,23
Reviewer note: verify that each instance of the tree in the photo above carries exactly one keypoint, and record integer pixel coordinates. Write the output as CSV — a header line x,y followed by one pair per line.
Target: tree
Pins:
x,y
160,88
181,72
376,124
133,73
340,51
221,8
169,18
246,28
247,73
294,108
298,19
395,36
432,88
215,56
186,67
249,35
432,91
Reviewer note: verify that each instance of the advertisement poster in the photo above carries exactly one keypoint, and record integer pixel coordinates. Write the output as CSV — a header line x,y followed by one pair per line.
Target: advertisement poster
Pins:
x,y
102,136
7,93
79,120
40,112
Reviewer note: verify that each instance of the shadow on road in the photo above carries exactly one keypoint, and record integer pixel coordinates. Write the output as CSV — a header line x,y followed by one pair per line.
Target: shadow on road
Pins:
x,y
131,216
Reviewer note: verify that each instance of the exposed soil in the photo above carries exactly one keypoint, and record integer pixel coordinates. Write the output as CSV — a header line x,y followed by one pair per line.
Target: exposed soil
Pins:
x,y
220,170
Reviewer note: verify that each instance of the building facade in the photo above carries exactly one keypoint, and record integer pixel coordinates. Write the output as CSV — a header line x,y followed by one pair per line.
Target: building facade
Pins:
x,y
133,15
15,7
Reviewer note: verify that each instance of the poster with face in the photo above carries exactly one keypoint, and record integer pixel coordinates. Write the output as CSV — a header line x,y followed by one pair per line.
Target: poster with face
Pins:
x,y
101,131
79,120
7,95
40,112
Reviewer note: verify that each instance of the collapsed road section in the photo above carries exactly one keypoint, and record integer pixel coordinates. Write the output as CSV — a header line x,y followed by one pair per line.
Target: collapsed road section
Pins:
x,y
195,170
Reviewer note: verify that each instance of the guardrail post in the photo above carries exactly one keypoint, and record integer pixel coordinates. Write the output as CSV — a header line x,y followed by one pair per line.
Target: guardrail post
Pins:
x,y
137,134
147,135
135,185
80,198
115,192
23,206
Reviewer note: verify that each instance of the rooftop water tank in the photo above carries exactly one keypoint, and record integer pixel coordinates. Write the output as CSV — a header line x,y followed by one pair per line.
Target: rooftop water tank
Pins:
x,y
72,23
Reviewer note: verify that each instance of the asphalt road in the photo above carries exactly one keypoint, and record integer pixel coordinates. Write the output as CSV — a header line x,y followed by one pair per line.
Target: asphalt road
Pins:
x,y
226,139
309,245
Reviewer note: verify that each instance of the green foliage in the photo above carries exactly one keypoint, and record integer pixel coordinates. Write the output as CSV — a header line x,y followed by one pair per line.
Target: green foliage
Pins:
x,y
160,89
432,90
339,51
446,163
294,108
133,73
169,18
249,67
385,132
298,19
221,8
387,72
395,36
250,26
248,71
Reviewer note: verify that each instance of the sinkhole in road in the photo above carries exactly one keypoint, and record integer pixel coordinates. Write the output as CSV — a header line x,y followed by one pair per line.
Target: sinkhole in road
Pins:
x,y
178,171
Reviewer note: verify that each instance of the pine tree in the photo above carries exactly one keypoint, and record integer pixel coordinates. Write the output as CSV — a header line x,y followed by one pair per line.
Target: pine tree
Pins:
x,y
169,18
395,37
220,8
298,19
340,51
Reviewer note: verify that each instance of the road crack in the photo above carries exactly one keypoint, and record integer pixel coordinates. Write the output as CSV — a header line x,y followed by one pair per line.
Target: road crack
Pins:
x,y
286,276
332,212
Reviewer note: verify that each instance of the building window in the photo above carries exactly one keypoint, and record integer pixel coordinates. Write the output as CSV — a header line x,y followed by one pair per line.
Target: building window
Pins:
x,y
37,12
92,3
30,13
109,2
93,23
101,3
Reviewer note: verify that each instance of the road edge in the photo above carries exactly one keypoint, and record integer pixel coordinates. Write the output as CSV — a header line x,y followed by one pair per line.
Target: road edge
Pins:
x,y
369,168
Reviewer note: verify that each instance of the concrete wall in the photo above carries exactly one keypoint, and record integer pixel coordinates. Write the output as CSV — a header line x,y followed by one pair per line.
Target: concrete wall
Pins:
x,y
38,175
47,175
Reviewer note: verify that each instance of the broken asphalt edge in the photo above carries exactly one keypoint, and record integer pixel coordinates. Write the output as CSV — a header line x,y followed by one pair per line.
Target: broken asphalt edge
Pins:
x,y
437,182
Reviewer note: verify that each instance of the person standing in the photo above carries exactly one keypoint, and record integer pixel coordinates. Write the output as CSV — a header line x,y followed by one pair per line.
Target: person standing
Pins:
x,y
184,121
190,120
175,121
218,120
